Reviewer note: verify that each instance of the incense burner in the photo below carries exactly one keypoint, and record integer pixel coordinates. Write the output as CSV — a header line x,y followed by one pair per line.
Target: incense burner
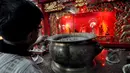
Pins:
x,y
72,52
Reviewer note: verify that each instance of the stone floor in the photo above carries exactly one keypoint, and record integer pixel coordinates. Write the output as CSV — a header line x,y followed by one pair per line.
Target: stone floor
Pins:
x,y
115,68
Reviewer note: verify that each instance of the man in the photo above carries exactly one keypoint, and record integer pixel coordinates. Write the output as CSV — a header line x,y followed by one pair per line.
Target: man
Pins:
x,y
19,24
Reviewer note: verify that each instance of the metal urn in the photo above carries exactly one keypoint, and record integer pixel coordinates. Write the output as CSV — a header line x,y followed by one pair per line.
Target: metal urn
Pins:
x,y
73,53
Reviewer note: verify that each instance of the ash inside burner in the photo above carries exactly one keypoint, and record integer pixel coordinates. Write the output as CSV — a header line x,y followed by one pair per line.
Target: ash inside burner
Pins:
x,y
74,37
67,39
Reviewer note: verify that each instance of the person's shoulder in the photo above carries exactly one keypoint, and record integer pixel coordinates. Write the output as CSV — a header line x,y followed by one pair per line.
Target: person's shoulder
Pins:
x,y
25,65
28,66
32,68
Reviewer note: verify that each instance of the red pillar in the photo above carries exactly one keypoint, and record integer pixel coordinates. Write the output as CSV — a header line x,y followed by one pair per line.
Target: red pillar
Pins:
x,y
45,21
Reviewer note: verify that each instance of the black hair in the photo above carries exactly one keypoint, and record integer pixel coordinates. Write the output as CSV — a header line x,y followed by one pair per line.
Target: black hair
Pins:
x,y
18,18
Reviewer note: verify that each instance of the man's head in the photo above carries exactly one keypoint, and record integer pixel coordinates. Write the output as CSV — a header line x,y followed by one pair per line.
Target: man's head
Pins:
x,y
19,20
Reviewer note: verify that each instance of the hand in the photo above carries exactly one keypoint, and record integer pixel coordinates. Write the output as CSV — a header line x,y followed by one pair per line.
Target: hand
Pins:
x,y
40,39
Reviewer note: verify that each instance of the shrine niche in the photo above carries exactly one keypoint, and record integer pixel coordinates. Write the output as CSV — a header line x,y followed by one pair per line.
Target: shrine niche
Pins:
x,y
117,11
